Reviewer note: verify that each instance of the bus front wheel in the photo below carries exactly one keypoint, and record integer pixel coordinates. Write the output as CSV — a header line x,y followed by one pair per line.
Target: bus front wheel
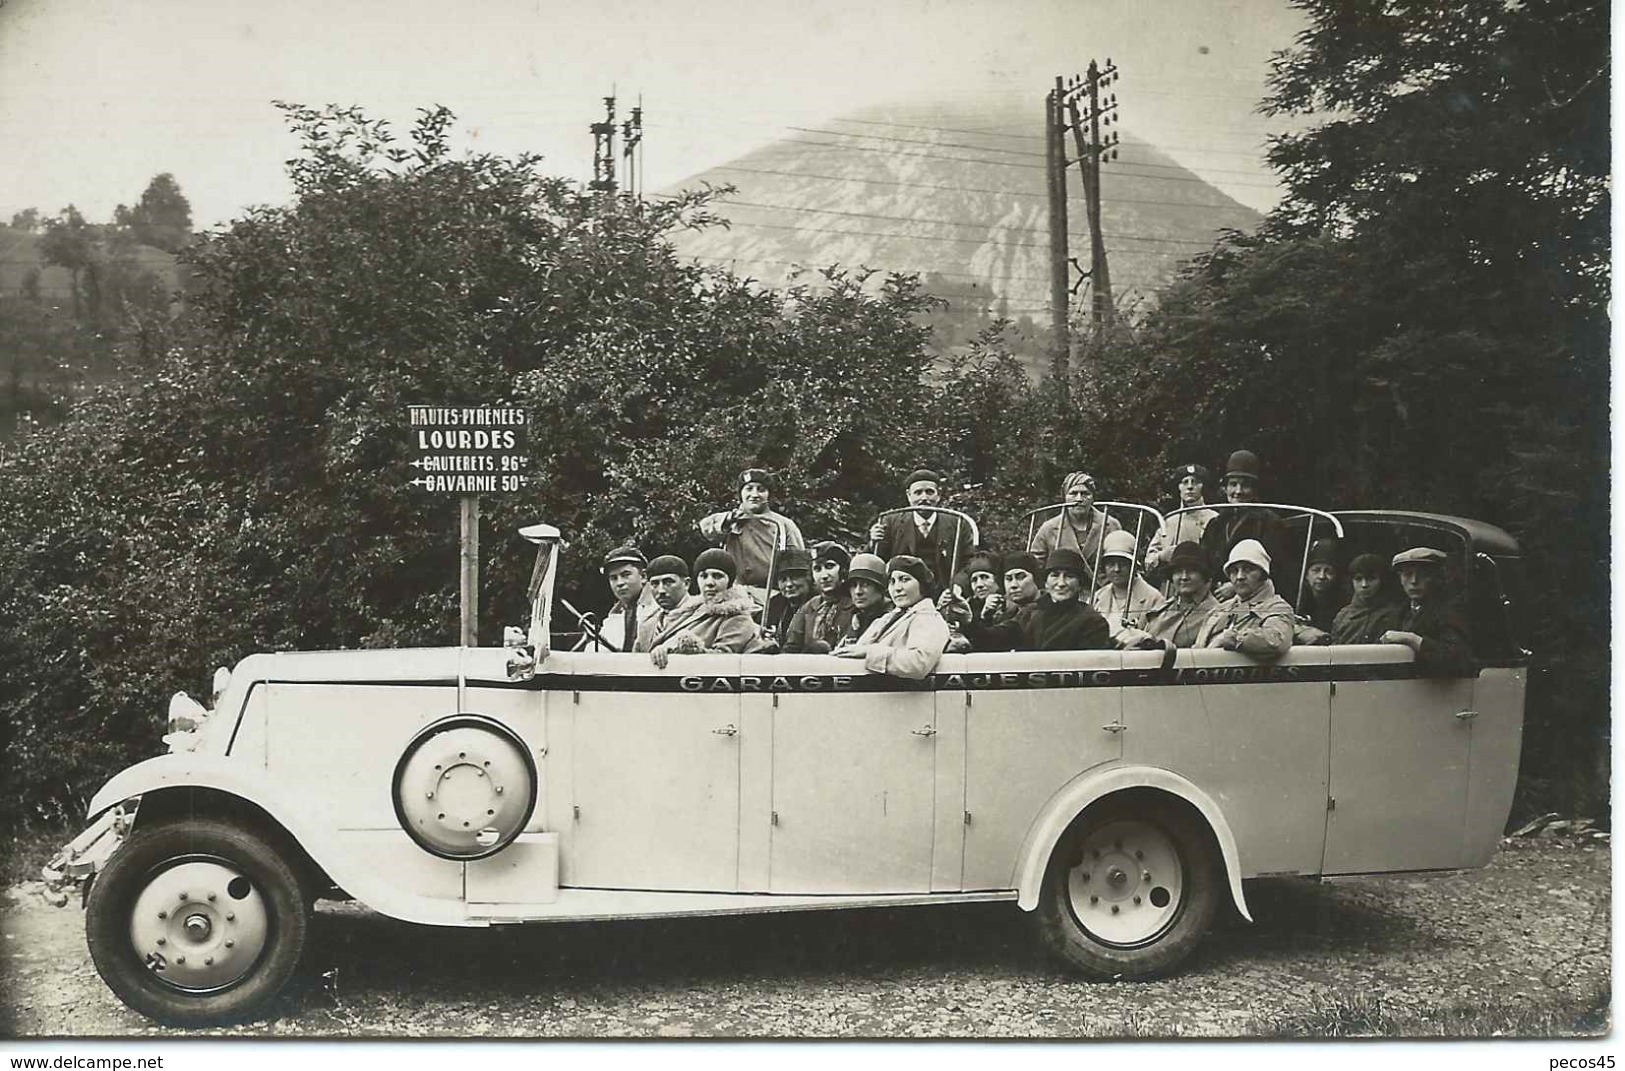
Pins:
x,y
1130,890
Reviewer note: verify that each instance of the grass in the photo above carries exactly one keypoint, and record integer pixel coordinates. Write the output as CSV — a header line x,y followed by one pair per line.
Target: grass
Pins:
x,y
1365,1015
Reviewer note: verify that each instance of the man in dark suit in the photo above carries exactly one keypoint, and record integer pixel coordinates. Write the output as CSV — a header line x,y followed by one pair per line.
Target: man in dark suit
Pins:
x,y
1231,526
931,537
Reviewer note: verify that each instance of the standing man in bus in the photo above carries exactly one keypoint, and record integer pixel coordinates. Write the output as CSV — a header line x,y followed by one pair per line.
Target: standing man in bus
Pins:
x,y
1080,526
1231,526
751,531
934,538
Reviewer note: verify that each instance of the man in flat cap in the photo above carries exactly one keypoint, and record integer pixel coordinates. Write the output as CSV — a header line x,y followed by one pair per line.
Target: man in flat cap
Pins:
x,y
941,541
624,569
750,532
1428,623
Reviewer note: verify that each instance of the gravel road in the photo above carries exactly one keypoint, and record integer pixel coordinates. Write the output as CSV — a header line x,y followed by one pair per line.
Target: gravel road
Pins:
x,y
1532,929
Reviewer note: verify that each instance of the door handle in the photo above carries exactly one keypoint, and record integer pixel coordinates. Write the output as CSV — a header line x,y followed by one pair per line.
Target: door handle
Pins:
x,y
726,730
924,731
1114,727
1466,715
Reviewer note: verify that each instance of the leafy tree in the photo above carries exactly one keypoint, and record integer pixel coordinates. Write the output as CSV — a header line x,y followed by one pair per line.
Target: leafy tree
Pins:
x,y
162,218
70,243
1422,322
249,490
28,220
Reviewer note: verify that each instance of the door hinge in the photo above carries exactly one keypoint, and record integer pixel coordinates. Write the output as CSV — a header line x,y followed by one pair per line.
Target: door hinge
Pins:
x,y
967,818
1331,803
775,817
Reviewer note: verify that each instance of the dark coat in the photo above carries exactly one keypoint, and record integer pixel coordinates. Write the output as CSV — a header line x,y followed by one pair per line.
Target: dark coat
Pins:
x,y
1231,526
1363,623
902,537
820,624
1445,650
1065,626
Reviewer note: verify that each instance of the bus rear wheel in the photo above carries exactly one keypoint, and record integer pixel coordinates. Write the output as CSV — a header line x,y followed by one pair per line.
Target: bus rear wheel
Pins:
x,y
1130,891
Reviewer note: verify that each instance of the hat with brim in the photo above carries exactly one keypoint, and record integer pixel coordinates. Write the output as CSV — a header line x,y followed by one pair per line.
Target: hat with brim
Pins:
x,y
1324,552
1064,560
1250,551
717,558
793,561
982,562
1189,555
625,556
1420,556
1025,562
831,553
870,567
1118,544
1243,466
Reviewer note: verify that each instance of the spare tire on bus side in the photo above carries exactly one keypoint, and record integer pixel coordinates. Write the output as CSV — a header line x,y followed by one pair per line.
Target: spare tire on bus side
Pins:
x,y
1131,889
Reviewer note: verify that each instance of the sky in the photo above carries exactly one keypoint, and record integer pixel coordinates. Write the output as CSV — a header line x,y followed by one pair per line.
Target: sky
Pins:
x,y
97,96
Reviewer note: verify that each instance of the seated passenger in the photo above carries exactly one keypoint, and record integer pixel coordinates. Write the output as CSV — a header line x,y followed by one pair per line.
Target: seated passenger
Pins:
x,y
723,624
1253,620
1323,594
1191,483
624,569
1080,526
1370,612
866,584
1021,574
793,577
909,641
1125,597
674,606
823,619
963,611
1428,624
1063,621
1177,622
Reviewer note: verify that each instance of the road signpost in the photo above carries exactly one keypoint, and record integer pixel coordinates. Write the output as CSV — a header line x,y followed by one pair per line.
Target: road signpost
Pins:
x,y
468,450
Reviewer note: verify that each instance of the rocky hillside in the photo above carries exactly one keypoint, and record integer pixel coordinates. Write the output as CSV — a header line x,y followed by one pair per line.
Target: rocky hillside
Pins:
x,y
957,195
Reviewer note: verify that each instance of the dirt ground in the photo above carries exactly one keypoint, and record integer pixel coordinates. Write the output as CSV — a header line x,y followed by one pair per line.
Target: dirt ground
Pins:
x,y
1530,933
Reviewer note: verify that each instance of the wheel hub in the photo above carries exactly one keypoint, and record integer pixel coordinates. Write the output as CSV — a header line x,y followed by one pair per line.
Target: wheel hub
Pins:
x,y
1126,885
199,925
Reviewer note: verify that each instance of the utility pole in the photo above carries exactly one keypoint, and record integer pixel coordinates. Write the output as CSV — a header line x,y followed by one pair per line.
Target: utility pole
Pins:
x,y
632,150
1093,149
603,159
1055,173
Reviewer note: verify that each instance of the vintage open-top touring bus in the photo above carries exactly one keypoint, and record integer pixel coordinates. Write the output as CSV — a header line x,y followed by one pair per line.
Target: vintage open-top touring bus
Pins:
x,y
1120,796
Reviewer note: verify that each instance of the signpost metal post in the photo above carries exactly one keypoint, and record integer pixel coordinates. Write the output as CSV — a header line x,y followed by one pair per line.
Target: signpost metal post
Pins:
x,y
468,450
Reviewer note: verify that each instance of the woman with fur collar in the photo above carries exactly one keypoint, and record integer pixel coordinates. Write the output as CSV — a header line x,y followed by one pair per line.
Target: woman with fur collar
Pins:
x,y
1254,619
909,641
723,624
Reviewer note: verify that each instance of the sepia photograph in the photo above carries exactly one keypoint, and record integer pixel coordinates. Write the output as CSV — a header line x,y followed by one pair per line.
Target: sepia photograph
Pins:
x,y
1040,520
